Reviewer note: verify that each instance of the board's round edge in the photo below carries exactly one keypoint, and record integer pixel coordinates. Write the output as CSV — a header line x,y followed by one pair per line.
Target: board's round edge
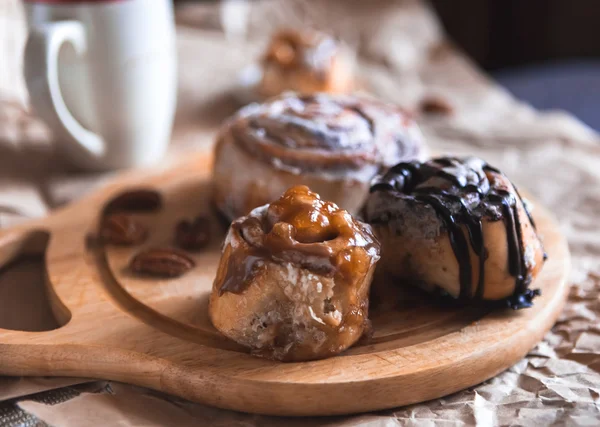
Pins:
x,y
280,397
284,398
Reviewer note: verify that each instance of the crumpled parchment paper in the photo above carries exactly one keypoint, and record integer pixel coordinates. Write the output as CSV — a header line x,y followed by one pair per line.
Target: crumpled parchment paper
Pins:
x,y
404,58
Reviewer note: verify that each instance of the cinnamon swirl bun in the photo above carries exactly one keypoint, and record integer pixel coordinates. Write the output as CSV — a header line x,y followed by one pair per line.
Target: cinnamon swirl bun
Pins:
x,y
294,277
459,225
306,62
333,144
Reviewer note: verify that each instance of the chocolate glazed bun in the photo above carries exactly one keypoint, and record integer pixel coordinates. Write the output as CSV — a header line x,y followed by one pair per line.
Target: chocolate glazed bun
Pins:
x,y
294,277
459,225
333,144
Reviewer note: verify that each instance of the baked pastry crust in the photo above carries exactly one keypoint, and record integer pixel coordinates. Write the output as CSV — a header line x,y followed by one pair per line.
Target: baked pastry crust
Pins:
x,y
333,144
293,280
459,225
306,62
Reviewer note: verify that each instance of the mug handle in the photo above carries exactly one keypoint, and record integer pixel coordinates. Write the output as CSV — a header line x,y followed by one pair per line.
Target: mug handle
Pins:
x,y
41,74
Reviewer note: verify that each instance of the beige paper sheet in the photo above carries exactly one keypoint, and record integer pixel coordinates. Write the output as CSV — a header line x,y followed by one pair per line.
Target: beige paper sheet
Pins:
x,y
403,57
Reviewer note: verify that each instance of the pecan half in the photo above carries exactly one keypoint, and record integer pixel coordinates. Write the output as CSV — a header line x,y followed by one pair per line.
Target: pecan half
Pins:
x,y
121,229
138,200
161,262
193,235
436,105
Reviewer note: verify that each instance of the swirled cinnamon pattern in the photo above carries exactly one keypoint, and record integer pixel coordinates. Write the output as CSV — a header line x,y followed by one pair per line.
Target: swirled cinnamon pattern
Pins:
x,y
325,132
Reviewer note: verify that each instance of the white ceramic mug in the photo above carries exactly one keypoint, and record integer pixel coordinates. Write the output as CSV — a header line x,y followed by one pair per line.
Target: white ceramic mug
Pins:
x,y
102,74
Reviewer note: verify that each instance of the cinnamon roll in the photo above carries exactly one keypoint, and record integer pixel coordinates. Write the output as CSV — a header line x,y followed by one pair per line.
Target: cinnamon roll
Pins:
x,y
306,62
333,144
459,225
294,277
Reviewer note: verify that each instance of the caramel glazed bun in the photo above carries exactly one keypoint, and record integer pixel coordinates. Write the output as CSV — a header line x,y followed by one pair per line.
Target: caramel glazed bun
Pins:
x,y
294,277
333,144
306,62
459,225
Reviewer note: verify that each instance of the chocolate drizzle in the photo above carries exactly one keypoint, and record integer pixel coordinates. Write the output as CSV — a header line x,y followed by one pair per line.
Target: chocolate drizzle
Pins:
x,y
462,192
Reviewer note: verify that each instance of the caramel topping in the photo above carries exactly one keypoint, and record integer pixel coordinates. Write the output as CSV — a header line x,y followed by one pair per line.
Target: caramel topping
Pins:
x,y
308,49
305,231
308,217
282,52
325,132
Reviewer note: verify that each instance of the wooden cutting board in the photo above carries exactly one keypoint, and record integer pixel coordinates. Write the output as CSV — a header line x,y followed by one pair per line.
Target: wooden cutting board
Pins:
x,y
156,333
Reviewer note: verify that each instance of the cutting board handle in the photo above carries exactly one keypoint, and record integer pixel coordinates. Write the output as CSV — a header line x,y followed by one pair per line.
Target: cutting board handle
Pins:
x,y
27,240
18,242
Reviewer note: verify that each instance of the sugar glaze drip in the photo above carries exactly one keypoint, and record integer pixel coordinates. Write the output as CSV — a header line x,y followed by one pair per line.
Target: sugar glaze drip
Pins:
x,y
325,132
462,192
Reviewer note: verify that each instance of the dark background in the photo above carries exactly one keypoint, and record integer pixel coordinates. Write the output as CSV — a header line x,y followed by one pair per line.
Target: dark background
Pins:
x,y
507,33
546,52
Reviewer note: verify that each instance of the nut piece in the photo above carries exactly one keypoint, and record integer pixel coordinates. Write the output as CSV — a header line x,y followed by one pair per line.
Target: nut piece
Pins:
x,y
193,235
140,200
161,262
436,105
121,229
